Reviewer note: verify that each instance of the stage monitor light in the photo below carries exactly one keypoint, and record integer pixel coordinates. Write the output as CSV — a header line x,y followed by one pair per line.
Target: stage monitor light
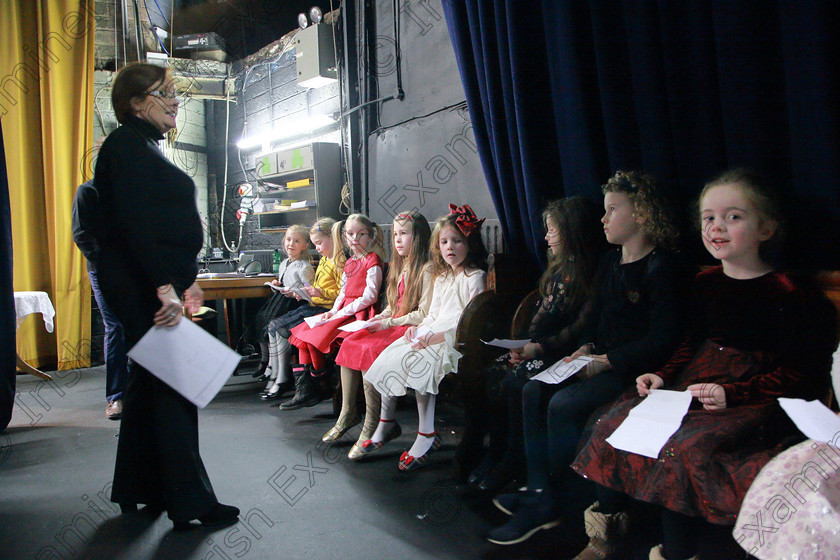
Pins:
x,y
315,15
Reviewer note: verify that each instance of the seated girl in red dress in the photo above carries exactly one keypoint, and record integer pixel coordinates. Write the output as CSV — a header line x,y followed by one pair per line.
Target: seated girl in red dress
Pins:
x,y
754,336
409,293
357,299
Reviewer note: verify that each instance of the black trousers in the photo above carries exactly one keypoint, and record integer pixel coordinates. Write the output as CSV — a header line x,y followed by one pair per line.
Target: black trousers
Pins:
x,y
157,455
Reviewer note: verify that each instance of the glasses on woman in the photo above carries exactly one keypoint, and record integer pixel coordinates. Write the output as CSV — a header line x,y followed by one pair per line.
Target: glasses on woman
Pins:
x,y
160,94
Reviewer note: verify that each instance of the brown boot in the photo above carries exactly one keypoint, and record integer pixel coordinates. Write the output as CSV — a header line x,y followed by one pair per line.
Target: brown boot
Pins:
x,y
604,532
656,554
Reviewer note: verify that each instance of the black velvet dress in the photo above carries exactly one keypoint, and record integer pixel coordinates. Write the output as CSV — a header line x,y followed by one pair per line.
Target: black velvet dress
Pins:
x,y
151,236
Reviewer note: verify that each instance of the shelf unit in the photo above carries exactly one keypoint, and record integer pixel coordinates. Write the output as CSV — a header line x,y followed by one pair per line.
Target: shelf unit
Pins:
x,y
320,164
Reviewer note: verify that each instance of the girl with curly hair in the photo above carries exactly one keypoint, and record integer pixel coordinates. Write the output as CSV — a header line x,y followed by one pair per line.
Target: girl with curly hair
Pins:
x,y
631,325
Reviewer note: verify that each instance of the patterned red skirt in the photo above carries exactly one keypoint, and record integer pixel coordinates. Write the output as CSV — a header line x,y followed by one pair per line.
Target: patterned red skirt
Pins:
x,y
707,466
361,348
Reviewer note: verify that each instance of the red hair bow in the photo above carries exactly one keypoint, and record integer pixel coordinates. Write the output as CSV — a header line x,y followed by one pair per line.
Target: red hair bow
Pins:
x,y
465,219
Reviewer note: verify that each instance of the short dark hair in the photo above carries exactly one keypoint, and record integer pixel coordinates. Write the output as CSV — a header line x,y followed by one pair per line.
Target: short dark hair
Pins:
x,y
133,81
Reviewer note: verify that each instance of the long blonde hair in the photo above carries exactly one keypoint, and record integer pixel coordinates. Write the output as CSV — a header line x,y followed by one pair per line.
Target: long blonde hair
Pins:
x,y
414,266
376,236
304,235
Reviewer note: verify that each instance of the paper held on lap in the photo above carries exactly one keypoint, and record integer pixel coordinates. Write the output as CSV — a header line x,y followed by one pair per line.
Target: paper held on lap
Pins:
x,y
813,419
507,343
300,292
353,327
188,359
316,320
651,423
561,371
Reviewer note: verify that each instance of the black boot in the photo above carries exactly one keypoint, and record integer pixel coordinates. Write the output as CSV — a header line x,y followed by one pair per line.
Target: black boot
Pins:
x,y
306,390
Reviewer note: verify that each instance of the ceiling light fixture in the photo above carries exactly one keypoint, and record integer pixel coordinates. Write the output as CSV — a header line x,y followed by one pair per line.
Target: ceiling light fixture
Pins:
x,y
298,128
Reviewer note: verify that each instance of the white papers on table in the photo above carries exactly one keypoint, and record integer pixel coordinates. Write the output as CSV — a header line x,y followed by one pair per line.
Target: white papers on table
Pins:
x,y
507,343
561,371
651,423
813,419
188,359
353,327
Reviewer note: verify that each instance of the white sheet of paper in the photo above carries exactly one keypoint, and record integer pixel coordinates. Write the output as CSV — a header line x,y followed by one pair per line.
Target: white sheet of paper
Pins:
x,y
561,371
284,290
314,320
813,419
421,333
188,359
507,343
650,423
353,327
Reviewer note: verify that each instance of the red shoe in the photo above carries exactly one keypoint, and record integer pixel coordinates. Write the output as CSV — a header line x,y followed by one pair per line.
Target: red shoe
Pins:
x,y
410,462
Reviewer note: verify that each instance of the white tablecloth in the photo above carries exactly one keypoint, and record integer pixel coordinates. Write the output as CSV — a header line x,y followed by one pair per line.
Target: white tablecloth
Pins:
x,y
27,303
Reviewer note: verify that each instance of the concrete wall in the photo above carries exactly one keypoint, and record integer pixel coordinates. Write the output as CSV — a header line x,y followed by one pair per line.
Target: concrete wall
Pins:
x,y
422,154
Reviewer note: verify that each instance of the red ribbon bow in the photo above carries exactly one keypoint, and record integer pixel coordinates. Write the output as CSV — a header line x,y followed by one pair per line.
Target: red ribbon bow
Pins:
x,y
465,218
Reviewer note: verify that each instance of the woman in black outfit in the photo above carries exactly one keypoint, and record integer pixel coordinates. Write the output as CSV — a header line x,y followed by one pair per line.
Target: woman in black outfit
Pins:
x,y
151,236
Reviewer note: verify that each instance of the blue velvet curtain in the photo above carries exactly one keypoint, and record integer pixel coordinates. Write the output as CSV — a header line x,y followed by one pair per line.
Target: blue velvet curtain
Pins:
x,y
7,300
562,94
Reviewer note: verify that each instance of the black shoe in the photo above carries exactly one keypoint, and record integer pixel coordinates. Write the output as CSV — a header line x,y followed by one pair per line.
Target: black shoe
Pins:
x,y
306,391
536,513
128,508
481,471
260,371
301,400
509,503
497,478
282,389
220,515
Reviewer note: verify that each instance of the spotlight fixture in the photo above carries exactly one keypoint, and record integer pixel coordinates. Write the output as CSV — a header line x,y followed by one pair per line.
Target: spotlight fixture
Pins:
x,y
303,23
315,15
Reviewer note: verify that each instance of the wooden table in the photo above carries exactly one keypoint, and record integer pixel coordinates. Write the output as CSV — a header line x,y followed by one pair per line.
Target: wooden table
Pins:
x,y
239,287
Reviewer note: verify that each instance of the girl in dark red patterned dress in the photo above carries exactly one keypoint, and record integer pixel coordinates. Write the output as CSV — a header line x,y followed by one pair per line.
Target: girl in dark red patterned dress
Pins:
x,y
409,293
752,338
359,294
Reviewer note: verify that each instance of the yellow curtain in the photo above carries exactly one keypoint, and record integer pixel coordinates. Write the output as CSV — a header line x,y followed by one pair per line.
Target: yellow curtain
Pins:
x,y
46,95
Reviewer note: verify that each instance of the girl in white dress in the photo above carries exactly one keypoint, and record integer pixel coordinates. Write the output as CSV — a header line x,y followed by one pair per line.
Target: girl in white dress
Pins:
x,y
426,353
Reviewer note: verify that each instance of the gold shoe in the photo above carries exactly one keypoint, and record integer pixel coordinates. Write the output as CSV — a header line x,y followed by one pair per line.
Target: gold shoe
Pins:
x,y
335,432
369,447
356,452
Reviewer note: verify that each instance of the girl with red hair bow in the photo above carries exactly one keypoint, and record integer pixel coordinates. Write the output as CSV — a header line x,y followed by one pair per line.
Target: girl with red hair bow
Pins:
x,y
426,353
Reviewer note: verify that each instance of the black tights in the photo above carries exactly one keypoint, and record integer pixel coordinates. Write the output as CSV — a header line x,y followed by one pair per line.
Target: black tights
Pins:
x,y
679,532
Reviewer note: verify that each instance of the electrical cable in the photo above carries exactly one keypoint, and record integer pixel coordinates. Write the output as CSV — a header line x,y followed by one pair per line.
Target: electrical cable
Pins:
x,y
345,188
231,248
116,43
149,15
161,11
137,32
124,18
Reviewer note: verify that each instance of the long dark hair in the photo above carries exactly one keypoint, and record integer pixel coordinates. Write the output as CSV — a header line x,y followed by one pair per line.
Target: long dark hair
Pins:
x,y
582,243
